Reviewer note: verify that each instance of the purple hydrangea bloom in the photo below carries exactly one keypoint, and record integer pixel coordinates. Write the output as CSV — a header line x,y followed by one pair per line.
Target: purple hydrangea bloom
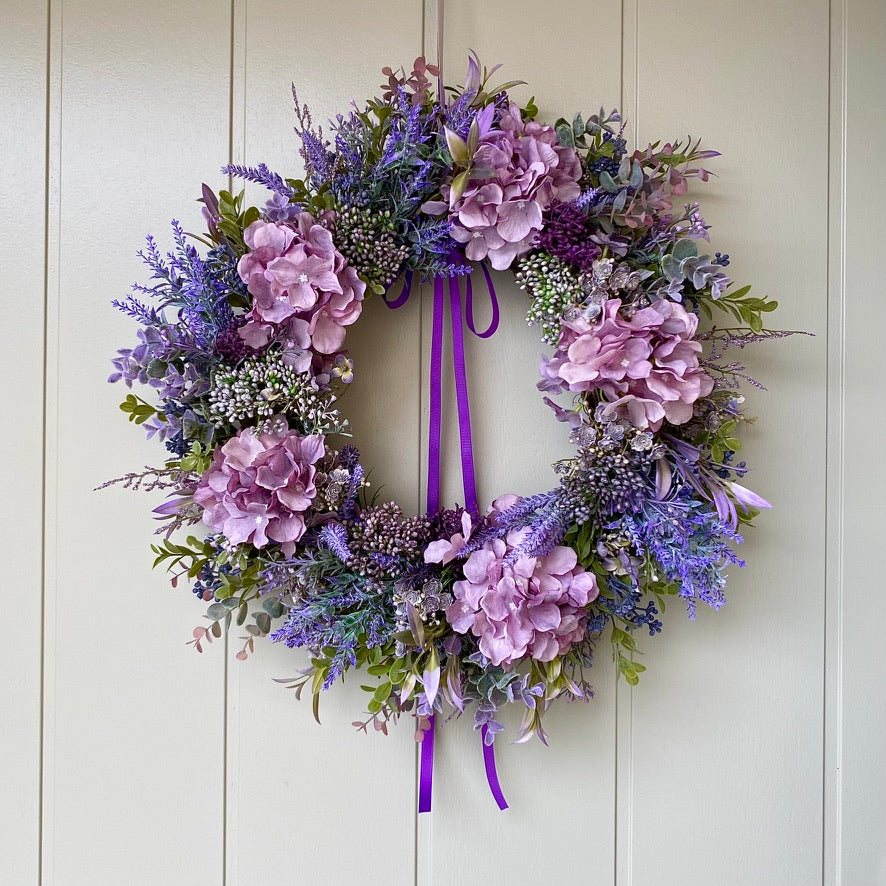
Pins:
x,y
529,606
517,172
646,365
302,286
260,486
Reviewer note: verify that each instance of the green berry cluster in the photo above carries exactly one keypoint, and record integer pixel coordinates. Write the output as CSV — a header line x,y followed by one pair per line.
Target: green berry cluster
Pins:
x,y
553,286
368,241
263,387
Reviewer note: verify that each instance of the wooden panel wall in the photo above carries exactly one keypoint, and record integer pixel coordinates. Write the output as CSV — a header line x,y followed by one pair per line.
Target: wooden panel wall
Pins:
x,y
22,258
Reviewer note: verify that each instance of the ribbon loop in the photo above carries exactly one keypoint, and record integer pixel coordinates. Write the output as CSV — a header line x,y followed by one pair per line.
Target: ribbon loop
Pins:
x,y
405,292
493,300
432,500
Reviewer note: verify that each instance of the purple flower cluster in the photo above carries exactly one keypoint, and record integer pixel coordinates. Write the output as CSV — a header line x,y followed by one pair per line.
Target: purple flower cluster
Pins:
x,y
260,487
303,290
519,170
647,365
570,235
516,606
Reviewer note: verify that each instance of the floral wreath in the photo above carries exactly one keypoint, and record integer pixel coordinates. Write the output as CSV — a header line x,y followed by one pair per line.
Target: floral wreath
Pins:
x,y
457,607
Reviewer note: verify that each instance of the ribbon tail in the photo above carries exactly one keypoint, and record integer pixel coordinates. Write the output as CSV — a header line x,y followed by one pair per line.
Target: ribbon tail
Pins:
x,y
426,774
492,772
461,397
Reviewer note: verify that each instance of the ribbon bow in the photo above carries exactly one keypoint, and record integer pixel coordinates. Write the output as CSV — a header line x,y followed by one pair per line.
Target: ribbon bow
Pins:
x,y
432,501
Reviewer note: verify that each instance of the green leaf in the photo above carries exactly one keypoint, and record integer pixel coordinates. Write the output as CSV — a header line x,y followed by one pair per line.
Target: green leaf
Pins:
x,y
578,125
216,611
383,692
460,182
458,148
607,182
684,248
263,620
156,369
273,607
565,136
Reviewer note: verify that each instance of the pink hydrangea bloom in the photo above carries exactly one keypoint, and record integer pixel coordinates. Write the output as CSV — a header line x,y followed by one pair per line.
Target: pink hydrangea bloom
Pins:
x,y
518,170
260,486
302,287
534,606
647,365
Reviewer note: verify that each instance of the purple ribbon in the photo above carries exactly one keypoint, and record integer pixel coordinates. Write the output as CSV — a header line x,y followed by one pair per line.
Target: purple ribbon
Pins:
x,y
491,771
426,777
403,297
432,500
426,774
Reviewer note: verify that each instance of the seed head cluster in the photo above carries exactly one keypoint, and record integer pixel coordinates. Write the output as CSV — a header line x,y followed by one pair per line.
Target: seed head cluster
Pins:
x,y
428,599
368,242
383,540
612,473
553,286
265,386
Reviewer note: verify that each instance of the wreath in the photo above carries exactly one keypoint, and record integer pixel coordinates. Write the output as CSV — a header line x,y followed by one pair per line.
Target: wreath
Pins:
x,y
466,606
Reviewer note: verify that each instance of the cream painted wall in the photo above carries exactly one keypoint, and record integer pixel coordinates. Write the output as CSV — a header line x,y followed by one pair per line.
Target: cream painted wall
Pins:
x,y
752,752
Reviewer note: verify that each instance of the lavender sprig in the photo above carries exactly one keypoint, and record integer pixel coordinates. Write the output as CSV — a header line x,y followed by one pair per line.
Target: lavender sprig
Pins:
x,y
260,175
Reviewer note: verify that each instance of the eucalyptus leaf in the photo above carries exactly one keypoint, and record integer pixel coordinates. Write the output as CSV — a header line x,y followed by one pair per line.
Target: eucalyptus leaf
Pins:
x,y
263,620
578,125
216,611
565,136
684,248
607,182
624,168
273,607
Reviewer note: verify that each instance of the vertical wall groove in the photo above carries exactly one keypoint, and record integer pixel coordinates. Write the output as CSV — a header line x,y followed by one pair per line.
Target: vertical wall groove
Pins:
x,y
226,646
130,730
833,627
50,430
46,205
856,672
